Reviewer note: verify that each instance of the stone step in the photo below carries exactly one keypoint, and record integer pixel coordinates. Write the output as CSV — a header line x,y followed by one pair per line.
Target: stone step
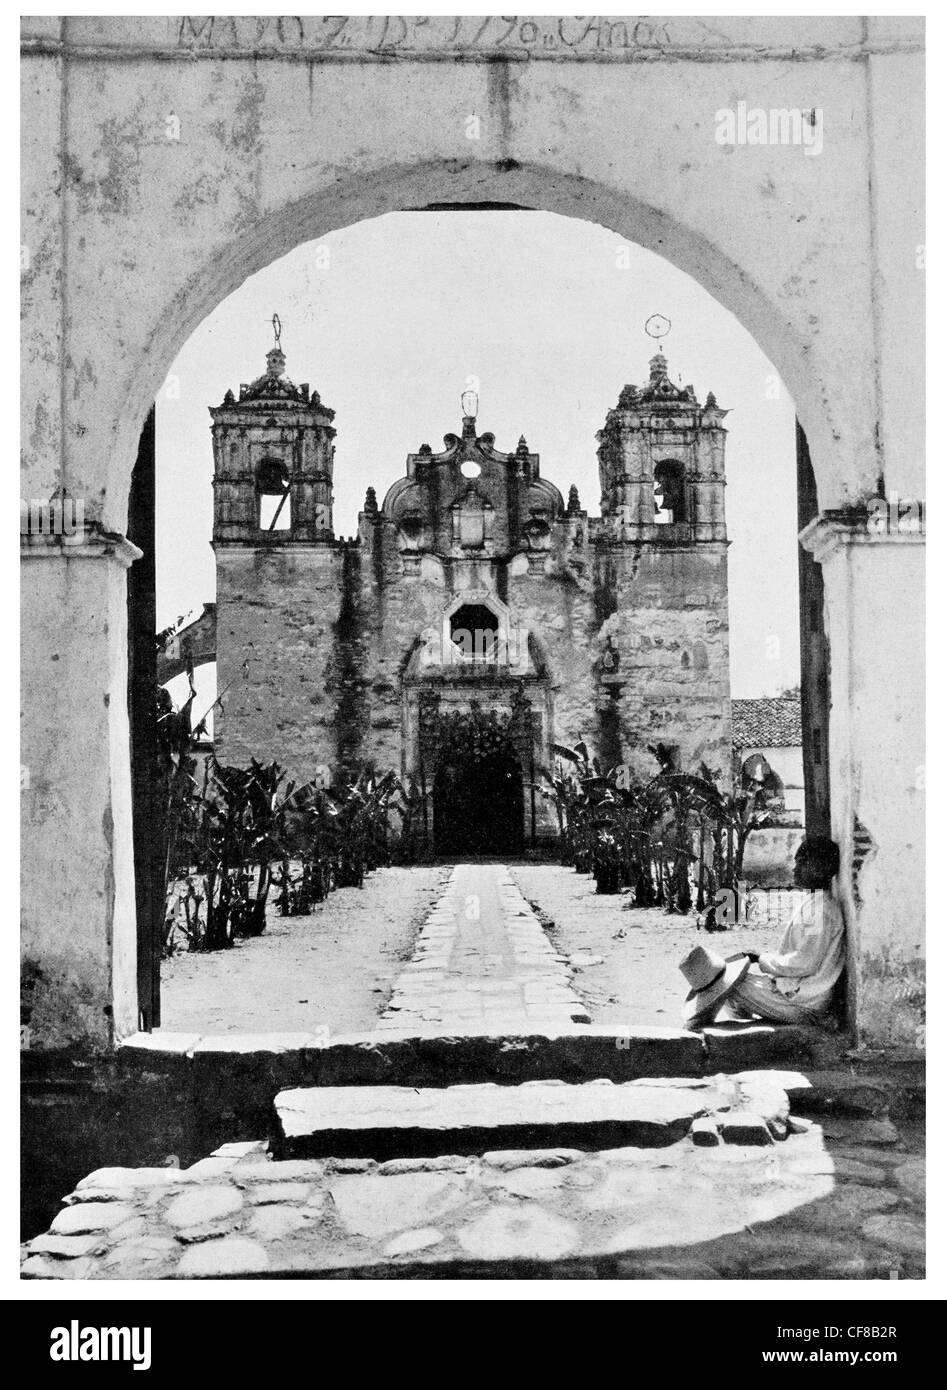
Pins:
x,y
221,1086
436,1056
379,1122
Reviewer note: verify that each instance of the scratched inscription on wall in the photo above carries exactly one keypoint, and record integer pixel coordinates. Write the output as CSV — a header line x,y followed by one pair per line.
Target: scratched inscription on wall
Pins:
x,y
556,35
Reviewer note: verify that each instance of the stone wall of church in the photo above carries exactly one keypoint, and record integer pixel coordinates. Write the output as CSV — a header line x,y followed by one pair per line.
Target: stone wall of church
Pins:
x,y
556,603
314,645
279,658
670,626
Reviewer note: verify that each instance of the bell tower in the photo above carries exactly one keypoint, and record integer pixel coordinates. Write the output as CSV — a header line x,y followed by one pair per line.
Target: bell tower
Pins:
x,y
273,461
663,667
662,463
280,572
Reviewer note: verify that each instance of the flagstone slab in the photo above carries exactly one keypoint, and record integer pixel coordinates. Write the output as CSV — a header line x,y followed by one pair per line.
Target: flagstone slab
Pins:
x,y
904,1234
379,1206
220,1259
88,1217
390,1120
911,1179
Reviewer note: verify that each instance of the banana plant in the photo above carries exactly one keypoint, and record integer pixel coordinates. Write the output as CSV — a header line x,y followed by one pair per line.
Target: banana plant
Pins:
x,y
674,839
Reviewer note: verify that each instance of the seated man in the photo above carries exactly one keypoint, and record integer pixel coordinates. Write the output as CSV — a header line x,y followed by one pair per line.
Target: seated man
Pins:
x,y
792,985
795,984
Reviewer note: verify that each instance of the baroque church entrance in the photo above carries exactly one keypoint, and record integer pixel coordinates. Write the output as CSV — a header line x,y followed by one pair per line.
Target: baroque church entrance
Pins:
x,y
478,805
478,781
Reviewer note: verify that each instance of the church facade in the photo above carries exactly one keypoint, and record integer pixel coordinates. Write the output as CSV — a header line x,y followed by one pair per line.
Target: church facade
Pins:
x,y
478,618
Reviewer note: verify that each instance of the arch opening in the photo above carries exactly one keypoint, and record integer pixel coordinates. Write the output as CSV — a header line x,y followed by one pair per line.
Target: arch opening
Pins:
x,y
526,187
461,795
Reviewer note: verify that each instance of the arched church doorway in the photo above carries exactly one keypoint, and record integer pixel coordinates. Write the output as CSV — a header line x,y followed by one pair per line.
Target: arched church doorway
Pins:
x,y
478,782
478,805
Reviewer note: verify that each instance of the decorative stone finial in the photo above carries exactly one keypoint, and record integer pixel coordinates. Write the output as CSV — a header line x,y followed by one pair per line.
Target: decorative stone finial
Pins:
x,y
658,366
574,505
711,401
521,446
275,361
371,502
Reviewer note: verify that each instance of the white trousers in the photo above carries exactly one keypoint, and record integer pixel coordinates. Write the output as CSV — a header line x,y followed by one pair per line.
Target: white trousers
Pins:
x,y
758,994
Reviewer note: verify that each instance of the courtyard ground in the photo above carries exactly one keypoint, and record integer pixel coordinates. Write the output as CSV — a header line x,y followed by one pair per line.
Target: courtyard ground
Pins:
x,y
333,969
636,951
813,1206
336,969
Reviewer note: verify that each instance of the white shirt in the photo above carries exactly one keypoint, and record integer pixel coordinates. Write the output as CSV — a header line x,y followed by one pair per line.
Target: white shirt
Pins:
x,y
811,955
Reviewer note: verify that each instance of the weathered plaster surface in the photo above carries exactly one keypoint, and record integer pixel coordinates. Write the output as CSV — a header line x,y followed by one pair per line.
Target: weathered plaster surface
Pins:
x,y
78,913
874,608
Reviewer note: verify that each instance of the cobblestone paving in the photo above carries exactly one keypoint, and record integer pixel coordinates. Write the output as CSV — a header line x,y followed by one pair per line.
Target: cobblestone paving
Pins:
x,y
483,964
807,1207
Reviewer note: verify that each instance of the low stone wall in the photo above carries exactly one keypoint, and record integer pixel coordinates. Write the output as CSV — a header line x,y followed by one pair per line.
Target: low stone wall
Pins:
x,y
770,856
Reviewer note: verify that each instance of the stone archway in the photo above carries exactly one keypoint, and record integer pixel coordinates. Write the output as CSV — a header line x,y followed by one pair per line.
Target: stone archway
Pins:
x,y
530,186
449,183
184,211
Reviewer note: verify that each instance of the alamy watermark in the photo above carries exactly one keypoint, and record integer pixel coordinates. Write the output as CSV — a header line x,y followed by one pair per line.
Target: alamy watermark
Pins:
x,y
80,1343
895,515
750,905
752,125
54,516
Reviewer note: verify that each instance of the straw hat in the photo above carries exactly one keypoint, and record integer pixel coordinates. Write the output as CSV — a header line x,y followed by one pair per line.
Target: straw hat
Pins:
x,y
711,979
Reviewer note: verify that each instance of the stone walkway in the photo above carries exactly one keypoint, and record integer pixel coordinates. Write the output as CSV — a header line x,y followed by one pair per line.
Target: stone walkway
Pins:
x,y
483,964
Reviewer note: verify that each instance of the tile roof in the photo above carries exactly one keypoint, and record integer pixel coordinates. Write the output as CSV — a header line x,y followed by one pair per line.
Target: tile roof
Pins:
x,y
766,723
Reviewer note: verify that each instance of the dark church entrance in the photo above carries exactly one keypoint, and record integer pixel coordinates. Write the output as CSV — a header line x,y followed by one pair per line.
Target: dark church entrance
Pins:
x,y
478,763
478,805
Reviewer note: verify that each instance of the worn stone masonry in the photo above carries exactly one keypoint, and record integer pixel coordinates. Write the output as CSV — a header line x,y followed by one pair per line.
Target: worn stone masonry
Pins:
x,y
473,582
